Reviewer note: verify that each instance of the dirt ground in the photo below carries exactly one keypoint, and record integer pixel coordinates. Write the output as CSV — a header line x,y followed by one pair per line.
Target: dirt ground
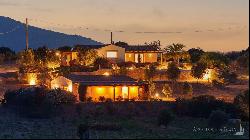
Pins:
x,y
227,93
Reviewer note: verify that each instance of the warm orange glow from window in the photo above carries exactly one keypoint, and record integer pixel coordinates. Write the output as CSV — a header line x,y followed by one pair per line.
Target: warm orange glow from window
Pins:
x,y
129,55
208,74
32,79
57,54
70,88
32,82
111,54
55,86
150,55
100,90
106,74
124,92
156,95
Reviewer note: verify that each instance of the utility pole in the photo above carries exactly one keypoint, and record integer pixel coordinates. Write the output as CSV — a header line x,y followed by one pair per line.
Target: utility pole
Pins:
x,y
112,38
27,34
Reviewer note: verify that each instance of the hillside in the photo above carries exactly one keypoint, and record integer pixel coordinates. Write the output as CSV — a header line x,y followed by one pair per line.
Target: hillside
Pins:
x,y
12,35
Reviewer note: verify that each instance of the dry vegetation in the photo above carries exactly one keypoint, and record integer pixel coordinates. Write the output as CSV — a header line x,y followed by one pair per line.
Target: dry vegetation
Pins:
x,y
136,120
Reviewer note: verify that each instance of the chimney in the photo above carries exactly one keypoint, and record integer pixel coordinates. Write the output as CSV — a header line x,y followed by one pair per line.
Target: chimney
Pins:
x,y
112,38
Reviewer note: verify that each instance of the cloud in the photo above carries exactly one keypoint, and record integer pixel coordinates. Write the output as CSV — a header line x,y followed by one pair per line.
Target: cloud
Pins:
x,y
7,3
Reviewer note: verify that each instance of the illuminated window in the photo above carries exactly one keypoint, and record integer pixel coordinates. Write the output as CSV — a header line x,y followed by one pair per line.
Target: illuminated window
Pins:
x,y
124,92
111,54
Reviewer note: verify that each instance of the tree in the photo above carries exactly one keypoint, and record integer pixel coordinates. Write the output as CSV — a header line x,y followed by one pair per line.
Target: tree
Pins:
x,y
86,56
195,54
150,72
227,76
151,88
65,48
120,43
123,71
166,90
198,70
173,73
154,43
101,62
176,52
26,58
7,54
214,59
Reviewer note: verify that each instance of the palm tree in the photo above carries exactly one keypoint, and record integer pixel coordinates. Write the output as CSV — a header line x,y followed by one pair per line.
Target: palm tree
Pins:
x,y
176,52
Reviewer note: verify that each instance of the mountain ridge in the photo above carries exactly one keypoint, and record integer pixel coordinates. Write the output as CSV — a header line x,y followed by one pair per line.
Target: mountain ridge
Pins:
x,y
12,35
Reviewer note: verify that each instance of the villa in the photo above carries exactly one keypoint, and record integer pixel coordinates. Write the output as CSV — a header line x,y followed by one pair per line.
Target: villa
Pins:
x,y
95,86
137,54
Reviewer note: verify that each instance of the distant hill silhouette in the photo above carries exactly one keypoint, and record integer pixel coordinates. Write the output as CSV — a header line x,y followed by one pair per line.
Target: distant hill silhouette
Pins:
x,y
38,37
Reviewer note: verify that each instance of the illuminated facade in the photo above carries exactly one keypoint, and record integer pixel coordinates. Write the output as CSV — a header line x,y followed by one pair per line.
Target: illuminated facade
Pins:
x,y
137,54
96,86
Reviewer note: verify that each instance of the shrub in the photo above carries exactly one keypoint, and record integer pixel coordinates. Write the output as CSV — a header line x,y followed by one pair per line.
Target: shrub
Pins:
x,y
58,96
132,99
119,98
127,64
241,101
89,99
166,90
101,98
187,88
102,62
165,117
109,100
217,119
38,102
227,76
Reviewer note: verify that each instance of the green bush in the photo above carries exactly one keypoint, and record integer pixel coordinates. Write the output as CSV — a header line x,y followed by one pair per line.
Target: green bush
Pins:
x,y
217,119
89,99
165,117
119,98
37,102
109,100
102,99
187,88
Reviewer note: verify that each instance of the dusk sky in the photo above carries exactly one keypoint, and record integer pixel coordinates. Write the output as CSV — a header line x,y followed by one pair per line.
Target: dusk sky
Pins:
x,y
213,25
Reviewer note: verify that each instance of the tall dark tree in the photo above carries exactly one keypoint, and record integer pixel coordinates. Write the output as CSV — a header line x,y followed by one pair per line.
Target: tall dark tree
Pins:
x,y
198,70
173,73
195,54
150,72
176,52
6,54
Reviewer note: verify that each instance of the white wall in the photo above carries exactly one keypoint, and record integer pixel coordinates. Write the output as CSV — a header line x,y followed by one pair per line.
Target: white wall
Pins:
x,y
102,52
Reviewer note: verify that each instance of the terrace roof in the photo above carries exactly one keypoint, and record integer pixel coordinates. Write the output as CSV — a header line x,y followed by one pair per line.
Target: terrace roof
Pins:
x,y
142,48
102,80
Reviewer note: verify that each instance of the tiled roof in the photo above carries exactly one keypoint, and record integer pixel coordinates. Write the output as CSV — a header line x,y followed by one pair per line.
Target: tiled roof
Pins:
x,y
91,46
101,79
140,48
129,48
